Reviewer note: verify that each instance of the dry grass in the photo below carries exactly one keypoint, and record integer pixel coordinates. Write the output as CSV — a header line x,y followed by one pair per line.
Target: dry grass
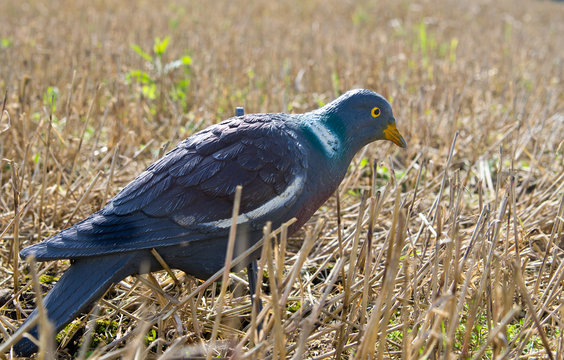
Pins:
x,y
464,229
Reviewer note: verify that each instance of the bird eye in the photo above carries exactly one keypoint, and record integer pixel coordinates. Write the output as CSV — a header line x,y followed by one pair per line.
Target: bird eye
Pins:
x,y
375,112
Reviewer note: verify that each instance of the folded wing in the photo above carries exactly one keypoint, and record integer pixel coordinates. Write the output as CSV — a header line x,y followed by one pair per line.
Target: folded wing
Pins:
x,y
188,194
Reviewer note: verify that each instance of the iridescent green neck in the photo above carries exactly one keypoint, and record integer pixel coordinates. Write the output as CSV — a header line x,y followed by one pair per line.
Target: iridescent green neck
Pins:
x,y
324,134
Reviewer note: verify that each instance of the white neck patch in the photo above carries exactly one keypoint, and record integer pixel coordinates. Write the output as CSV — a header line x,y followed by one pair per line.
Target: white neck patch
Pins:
x,y
330,142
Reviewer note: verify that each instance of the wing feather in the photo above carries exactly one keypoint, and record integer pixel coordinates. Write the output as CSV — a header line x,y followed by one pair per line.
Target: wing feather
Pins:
x,y
188,194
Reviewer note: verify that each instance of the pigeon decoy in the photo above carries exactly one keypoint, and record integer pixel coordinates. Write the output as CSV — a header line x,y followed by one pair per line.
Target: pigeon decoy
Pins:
x,y
287,164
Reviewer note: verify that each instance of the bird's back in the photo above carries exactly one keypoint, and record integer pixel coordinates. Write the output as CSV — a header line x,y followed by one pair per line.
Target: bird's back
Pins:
x,y
187,195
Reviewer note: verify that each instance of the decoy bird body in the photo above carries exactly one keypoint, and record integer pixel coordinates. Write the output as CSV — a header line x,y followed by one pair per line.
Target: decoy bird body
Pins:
x,y
288,166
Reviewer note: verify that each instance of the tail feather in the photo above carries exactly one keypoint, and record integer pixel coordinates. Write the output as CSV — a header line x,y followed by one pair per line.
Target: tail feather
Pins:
x,y
84,282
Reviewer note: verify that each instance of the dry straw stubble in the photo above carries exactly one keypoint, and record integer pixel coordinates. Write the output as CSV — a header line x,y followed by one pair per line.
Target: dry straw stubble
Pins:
x,y
465,253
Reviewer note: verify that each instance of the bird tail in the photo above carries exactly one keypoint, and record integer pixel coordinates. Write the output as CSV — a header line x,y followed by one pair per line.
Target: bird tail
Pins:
x,y
84,282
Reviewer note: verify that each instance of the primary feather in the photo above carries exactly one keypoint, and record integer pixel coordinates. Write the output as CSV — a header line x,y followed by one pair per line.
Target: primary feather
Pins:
x,y
191,185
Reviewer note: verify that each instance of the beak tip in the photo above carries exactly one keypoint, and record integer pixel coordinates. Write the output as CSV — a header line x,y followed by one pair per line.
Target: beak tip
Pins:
x,y
400,141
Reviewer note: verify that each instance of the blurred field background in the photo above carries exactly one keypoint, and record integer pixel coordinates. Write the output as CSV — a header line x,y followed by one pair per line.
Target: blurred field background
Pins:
x,y
465,228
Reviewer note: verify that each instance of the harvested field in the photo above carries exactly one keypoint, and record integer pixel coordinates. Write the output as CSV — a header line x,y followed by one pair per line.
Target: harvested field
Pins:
x,y
451,248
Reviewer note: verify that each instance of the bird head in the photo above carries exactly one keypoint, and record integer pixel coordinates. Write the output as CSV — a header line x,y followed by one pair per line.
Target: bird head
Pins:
x,y
362,116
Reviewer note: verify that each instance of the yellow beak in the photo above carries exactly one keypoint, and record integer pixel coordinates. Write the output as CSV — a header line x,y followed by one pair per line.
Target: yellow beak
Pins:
x,y
391,133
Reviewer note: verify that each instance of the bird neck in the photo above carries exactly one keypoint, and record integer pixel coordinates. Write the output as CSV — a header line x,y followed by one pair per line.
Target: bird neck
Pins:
x,y
325,132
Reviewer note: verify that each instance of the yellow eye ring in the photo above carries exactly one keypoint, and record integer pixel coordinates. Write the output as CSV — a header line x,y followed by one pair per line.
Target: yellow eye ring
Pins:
x,y
375,112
